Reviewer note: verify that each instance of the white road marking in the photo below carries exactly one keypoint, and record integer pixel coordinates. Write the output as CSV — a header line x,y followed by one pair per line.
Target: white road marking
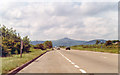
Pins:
x,y
83,51
97,52
83,71
105,57
114,54
105,53
72,63
76,66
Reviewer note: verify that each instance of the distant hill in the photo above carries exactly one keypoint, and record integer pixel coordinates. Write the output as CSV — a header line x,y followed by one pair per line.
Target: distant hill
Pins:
x,y
93,42
69,42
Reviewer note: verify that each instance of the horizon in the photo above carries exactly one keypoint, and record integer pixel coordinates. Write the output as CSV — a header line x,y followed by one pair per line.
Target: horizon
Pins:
x,y
73,39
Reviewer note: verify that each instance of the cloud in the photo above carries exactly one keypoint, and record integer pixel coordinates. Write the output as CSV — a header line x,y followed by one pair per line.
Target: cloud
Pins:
x,y
49,21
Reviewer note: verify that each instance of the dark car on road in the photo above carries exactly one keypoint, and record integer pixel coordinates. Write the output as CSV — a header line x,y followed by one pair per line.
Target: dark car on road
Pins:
x,y
58,48
67,48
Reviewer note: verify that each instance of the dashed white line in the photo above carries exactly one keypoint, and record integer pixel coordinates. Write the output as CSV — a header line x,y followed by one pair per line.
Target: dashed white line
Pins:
x,y
83,71
114,54
76,66
105,57
72,63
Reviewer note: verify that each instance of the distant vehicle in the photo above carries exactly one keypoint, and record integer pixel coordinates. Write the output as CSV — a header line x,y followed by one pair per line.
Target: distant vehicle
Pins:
x,y
67,48
52,48
58,48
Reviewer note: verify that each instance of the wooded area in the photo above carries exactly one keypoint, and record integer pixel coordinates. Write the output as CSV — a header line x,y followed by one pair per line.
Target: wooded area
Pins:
x,y
11,42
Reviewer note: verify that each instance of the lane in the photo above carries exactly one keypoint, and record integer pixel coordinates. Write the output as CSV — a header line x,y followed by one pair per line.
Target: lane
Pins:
x,y
51,62
93,62
76,66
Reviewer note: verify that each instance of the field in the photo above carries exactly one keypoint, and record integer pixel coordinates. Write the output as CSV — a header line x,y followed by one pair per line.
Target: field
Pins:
x,y
10,63
97,48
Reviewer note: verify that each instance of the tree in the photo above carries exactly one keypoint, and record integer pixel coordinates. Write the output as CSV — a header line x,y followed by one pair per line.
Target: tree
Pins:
x,y
45,45
48,44
97,41
114,41
26,44
40,46
108,43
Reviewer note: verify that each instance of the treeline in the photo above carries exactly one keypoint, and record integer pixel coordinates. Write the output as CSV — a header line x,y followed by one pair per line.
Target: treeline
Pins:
x,y
44,46
11,41
99,44
109,42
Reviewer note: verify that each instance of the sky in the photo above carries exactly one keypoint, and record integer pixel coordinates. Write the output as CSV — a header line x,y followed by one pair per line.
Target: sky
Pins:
x,y
56,20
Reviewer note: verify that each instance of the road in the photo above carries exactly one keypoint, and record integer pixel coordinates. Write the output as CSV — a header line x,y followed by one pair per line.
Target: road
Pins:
x,y
74,61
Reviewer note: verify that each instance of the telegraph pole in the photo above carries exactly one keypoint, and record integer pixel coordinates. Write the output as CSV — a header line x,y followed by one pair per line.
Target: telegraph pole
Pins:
x,y
21,49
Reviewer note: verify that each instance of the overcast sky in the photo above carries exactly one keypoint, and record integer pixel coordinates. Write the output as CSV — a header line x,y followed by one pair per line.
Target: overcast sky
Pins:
x,y
53,20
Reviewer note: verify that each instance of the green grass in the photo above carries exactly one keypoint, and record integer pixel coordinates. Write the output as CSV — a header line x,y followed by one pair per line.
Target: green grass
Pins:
x,y
109,50
10,63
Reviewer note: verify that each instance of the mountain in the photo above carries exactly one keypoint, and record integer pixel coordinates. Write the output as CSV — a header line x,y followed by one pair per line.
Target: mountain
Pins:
x,y
69,42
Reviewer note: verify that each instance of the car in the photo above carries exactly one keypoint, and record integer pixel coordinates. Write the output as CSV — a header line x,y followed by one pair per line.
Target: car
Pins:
x,y
67,48
58,48
52,48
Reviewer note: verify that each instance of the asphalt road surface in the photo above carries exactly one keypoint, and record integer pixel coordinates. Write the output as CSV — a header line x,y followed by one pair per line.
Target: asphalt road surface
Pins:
x,y
74,61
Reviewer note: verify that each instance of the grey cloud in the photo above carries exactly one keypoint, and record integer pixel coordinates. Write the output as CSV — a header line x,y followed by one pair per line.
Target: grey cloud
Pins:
x,y
85,9
54,21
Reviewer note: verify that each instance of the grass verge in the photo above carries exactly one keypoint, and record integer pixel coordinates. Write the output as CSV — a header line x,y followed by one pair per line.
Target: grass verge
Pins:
x,y
109,50
10,63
